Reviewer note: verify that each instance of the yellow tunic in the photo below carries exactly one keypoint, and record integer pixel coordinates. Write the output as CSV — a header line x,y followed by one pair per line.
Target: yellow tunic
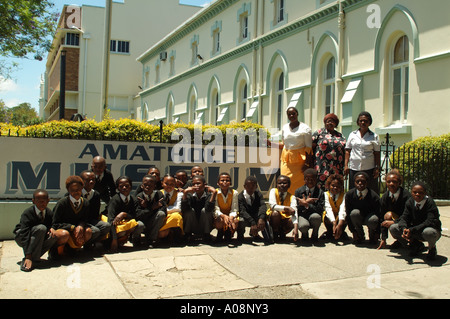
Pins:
x,y
335,206
287,202
175,219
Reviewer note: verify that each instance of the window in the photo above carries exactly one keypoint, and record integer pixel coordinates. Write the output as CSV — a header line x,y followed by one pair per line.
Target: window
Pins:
x,y
279,10
329,84
194,48
216,41
72,39
279,100
400,80
244,96
120,46
244,27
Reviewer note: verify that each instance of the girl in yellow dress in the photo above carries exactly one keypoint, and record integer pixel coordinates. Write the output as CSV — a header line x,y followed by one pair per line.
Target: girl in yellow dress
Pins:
x,y
334,214
227,206
173,225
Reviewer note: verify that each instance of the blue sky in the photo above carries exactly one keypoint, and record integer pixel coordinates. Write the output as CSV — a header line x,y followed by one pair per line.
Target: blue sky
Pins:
x,y
24,85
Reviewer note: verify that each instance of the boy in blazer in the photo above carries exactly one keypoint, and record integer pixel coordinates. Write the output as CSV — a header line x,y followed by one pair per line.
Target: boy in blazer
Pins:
x,y
392,205
152,209
104,183
362,206
252,212
311,201
34,233
97,221
197,206
419,222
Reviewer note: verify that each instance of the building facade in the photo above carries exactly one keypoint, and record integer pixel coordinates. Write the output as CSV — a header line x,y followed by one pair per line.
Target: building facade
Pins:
x,y
135,24
249,60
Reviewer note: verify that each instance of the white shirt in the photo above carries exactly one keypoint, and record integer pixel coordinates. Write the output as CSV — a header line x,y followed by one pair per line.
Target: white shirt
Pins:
x,y
363,193
421,203
176,207
329,211
280,208
234,203
248,198
362,148
38,212
73,200
298,138
89,195
124,198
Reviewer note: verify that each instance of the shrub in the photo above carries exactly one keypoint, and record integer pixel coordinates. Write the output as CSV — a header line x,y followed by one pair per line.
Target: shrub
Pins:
x,y
119,130
426,159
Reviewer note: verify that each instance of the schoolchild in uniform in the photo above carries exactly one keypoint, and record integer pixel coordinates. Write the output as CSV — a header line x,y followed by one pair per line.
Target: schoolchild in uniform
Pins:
x,y
392,205
227,208
310,207
334,201
34,233
104,182
173,224
152,209
181,178
122,210
195,171
283,208
71,214
97,221
197,207
252,212
419,222
362,206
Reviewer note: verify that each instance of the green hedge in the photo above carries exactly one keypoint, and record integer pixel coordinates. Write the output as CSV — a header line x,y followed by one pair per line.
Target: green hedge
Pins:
x,y
426,159
120,130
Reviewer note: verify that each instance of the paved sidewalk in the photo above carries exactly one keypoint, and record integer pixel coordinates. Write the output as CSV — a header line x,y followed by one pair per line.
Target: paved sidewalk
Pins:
x,y
249,271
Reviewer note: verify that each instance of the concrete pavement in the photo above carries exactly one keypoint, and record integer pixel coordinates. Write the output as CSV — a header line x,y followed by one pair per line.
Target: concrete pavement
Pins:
x,y
250,271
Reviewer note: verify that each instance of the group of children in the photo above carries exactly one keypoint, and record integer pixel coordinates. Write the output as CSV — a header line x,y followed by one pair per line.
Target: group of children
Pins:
x,y
177,209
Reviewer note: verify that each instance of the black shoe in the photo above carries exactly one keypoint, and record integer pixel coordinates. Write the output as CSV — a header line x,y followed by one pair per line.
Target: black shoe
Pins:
x,y
416,247
432,254
396,245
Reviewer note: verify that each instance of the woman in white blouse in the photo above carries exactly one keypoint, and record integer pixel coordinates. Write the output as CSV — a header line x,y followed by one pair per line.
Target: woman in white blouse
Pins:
x,y
363,153
297,155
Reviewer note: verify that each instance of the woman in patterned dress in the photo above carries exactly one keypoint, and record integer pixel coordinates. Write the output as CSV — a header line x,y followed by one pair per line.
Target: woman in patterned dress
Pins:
x,y
329,150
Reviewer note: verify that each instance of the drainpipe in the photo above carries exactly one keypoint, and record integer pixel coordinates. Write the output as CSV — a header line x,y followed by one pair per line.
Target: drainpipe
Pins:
x,y
341,59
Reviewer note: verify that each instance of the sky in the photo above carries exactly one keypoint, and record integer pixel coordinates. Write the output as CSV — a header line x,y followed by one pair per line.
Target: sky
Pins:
x,y
24,87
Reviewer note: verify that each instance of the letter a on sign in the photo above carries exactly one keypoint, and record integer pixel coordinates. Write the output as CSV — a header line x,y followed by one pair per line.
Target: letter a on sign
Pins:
x,y
74,19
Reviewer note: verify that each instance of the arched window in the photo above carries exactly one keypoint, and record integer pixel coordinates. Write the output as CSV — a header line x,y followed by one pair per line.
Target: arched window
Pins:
x,y
244,102
400,79
280,100
329,86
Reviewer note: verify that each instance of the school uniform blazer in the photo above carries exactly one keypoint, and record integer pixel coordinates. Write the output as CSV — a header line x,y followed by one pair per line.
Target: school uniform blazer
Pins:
x,y
318,207
142,213
368,206
28,220
417,220
398,206
106,187
65,217
252,213
197,204
94,208
116,206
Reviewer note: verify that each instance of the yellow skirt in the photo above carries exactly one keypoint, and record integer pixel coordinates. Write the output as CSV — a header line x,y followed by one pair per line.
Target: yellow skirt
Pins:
x,y
292,162
173,220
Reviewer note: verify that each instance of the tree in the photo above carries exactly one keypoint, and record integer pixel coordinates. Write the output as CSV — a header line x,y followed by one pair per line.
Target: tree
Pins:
x,y
5,113
25,27
24,115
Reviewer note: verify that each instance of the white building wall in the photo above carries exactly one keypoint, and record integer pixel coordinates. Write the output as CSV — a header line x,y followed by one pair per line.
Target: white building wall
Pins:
x,y
302,53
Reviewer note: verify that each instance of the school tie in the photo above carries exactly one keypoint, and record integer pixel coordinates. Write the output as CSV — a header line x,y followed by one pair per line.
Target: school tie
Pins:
x,y
41,216
360,196
76,204
393,199
252,199
167,198
418,207
126,201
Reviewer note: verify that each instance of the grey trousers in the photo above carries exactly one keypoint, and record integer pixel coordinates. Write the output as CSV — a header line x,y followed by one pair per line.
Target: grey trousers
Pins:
x,y
429,235
372,222
153,224
314,221
199,226
99,230
39,245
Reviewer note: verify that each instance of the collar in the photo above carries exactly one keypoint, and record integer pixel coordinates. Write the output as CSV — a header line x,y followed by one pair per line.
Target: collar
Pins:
x,y
100,177
37,211
73,200
123,197
421,203
84,193
396,195
363,193
203,195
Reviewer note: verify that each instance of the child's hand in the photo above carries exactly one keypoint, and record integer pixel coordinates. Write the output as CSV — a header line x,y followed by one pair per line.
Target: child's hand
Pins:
x,y
158,204
142,202
289,210
261,224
